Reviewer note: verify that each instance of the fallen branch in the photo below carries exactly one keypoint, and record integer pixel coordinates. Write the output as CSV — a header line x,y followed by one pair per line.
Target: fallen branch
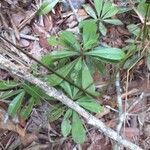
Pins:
x,y
73,9
120,108
52,92
119,101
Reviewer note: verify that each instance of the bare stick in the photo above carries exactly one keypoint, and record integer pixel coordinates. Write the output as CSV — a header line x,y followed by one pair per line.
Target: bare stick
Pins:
x,y
120,107
29,37
119,101
74,11
52,92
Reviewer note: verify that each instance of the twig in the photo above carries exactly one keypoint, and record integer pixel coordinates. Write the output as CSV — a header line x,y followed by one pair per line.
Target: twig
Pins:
x,y
131,92
136,102
122,117
118,89
28,37
120,107
14,27
119,101
142,19
52,92
74,11
28,19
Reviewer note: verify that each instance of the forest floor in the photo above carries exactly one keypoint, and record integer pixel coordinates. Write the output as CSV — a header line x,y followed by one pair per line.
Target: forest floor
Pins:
x,y
29,31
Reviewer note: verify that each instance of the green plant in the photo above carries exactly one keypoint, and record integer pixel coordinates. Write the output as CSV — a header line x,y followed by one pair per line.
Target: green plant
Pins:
x,y
102,13
137,48
23,97
47,6
80,56
142,8
76,61
72,123
21,94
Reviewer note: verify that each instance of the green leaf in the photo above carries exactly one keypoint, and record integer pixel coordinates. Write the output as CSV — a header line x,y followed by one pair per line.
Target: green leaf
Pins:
x,y
107,53
106,7
112,11
33,91
90,64
69,40
148,61
123,10
67,88
90,44
130,40
90,36
8,94
26,111
53,40
76,71
98,6
50,58
102,29
130,61
62,54
89,104
78,131
55,55
134,29
90,11
55,113
47,59
142,8
64,71
6,85
100,66
15,104
36,92
47,6
65,127
76,76
87,80
113,21
68,114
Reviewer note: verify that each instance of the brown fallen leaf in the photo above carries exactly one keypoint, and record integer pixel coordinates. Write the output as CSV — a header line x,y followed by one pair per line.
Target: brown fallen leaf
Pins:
x,y
29,15
36,50
11,126
48,22
18,17
98,142
44,43
104,112
129,93
40,30
131,133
